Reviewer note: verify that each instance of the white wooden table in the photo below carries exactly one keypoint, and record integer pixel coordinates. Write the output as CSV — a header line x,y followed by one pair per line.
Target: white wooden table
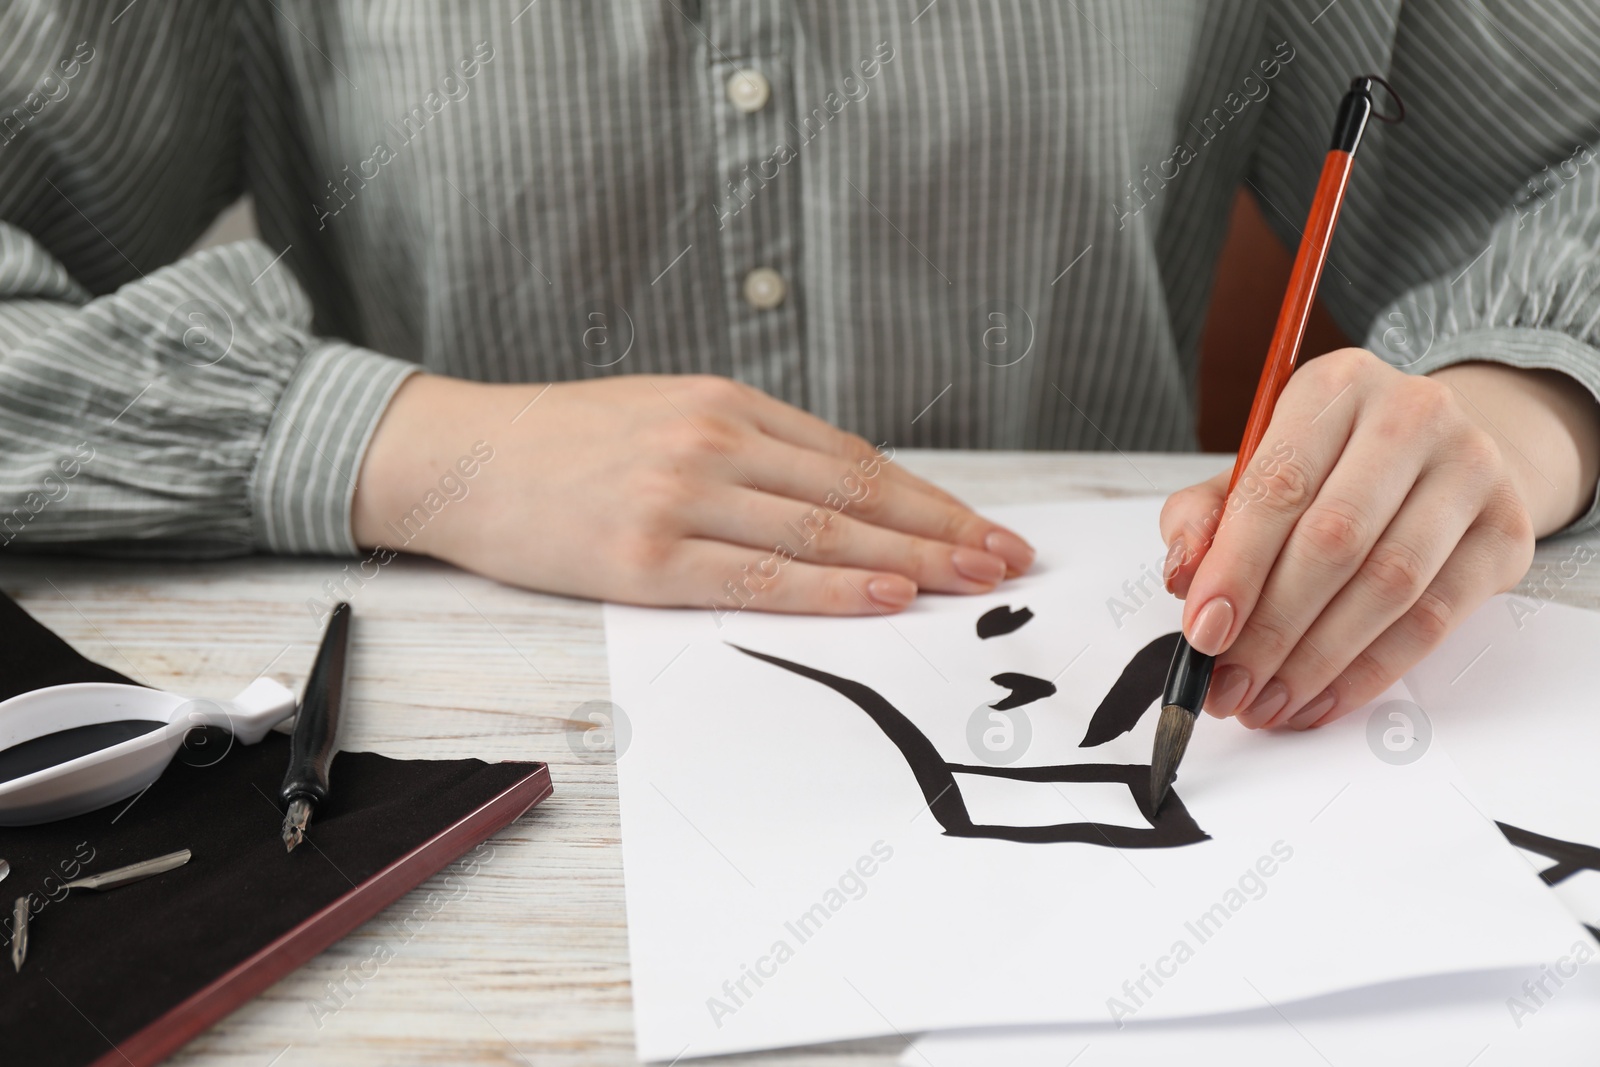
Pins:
x,y
531,964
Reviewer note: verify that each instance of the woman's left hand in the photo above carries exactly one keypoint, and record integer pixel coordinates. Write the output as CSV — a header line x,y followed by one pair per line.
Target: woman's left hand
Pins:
x,y
1379,511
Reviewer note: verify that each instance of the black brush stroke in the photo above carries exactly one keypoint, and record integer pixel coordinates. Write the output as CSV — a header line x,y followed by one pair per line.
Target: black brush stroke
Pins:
x,y
935,776
1570,856
997,622
1135,690
1025,689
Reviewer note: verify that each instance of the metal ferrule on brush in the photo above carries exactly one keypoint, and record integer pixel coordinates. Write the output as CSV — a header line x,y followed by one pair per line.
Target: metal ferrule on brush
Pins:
x,y
1187,681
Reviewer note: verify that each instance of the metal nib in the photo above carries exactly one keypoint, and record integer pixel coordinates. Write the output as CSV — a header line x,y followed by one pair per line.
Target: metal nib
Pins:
x,y
133,872
19,932
1172,737
294,822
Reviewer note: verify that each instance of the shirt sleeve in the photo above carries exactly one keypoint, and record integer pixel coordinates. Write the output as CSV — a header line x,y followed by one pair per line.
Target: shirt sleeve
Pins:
x,y
1530,298
153,403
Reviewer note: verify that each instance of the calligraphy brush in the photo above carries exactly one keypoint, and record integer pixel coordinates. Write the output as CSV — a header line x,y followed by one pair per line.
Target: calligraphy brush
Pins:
x,y
1189,676
311,744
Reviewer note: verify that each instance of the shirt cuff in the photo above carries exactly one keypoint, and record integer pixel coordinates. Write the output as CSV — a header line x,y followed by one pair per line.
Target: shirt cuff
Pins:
x,y
1531,348
305,477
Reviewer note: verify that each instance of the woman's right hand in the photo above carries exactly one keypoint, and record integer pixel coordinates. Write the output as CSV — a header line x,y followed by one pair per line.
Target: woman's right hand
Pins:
x,y
668,491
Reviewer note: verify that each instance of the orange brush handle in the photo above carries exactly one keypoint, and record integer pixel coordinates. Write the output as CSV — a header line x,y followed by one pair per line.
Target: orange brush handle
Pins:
x,y
1296,310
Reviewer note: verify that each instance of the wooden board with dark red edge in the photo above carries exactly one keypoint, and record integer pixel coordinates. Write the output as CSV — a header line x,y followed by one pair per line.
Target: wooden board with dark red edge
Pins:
x,y
251,977
128,976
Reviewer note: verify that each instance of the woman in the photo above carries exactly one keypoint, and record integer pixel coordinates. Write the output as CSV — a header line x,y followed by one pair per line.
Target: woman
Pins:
x,y
666,269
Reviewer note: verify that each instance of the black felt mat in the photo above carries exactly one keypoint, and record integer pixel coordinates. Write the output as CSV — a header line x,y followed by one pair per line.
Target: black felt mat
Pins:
x,y
103,965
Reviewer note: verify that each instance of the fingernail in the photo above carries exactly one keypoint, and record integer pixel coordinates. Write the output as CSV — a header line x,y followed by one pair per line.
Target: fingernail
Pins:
x,y
1017,553
978,566
1228,687
1273,696
1313,711
893,593
1211,626
1169,570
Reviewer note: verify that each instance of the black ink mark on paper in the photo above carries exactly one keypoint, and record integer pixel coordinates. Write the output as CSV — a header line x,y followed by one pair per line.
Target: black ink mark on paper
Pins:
x,y
1133,694
1140,683
1002,620
1025,689
1570,856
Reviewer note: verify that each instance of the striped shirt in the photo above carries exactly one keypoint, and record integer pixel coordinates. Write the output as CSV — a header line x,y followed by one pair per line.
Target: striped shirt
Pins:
x,y
934,222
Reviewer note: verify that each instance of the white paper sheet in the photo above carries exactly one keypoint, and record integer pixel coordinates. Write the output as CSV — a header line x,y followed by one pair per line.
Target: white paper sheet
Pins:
x,y
787,882
1452,1019
1510,697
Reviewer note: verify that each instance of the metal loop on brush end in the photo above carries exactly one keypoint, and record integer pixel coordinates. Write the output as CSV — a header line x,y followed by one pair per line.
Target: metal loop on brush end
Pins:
x,y
1398,103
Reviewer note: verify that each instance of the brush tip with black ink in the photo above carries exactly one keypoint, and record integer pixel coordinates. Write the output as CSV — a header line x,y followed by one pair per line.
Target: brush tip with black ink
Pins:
x,y
1172,738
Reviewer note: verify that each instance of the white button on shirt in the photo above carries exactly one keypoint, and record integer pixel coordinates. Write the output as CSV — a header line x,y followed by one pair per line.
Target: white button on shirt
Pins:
x,y
764,288
749,90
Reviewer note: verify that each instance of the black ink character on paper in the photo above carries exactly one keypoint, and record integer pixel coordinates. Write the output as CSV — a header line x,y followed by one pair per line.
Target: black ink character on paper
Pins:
x,y
1570,857
1133,694
1002,620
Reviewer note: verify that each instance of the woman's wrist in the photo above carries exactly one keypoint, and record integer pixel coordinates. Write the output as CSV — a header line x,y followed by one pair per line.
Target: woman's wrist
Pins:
x,y
425,436
1548,428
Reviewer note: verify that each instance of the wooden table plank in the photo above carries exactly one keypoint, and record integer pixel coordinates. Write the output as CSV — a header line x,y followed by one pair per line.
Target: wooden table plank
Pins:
x,y
525,961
